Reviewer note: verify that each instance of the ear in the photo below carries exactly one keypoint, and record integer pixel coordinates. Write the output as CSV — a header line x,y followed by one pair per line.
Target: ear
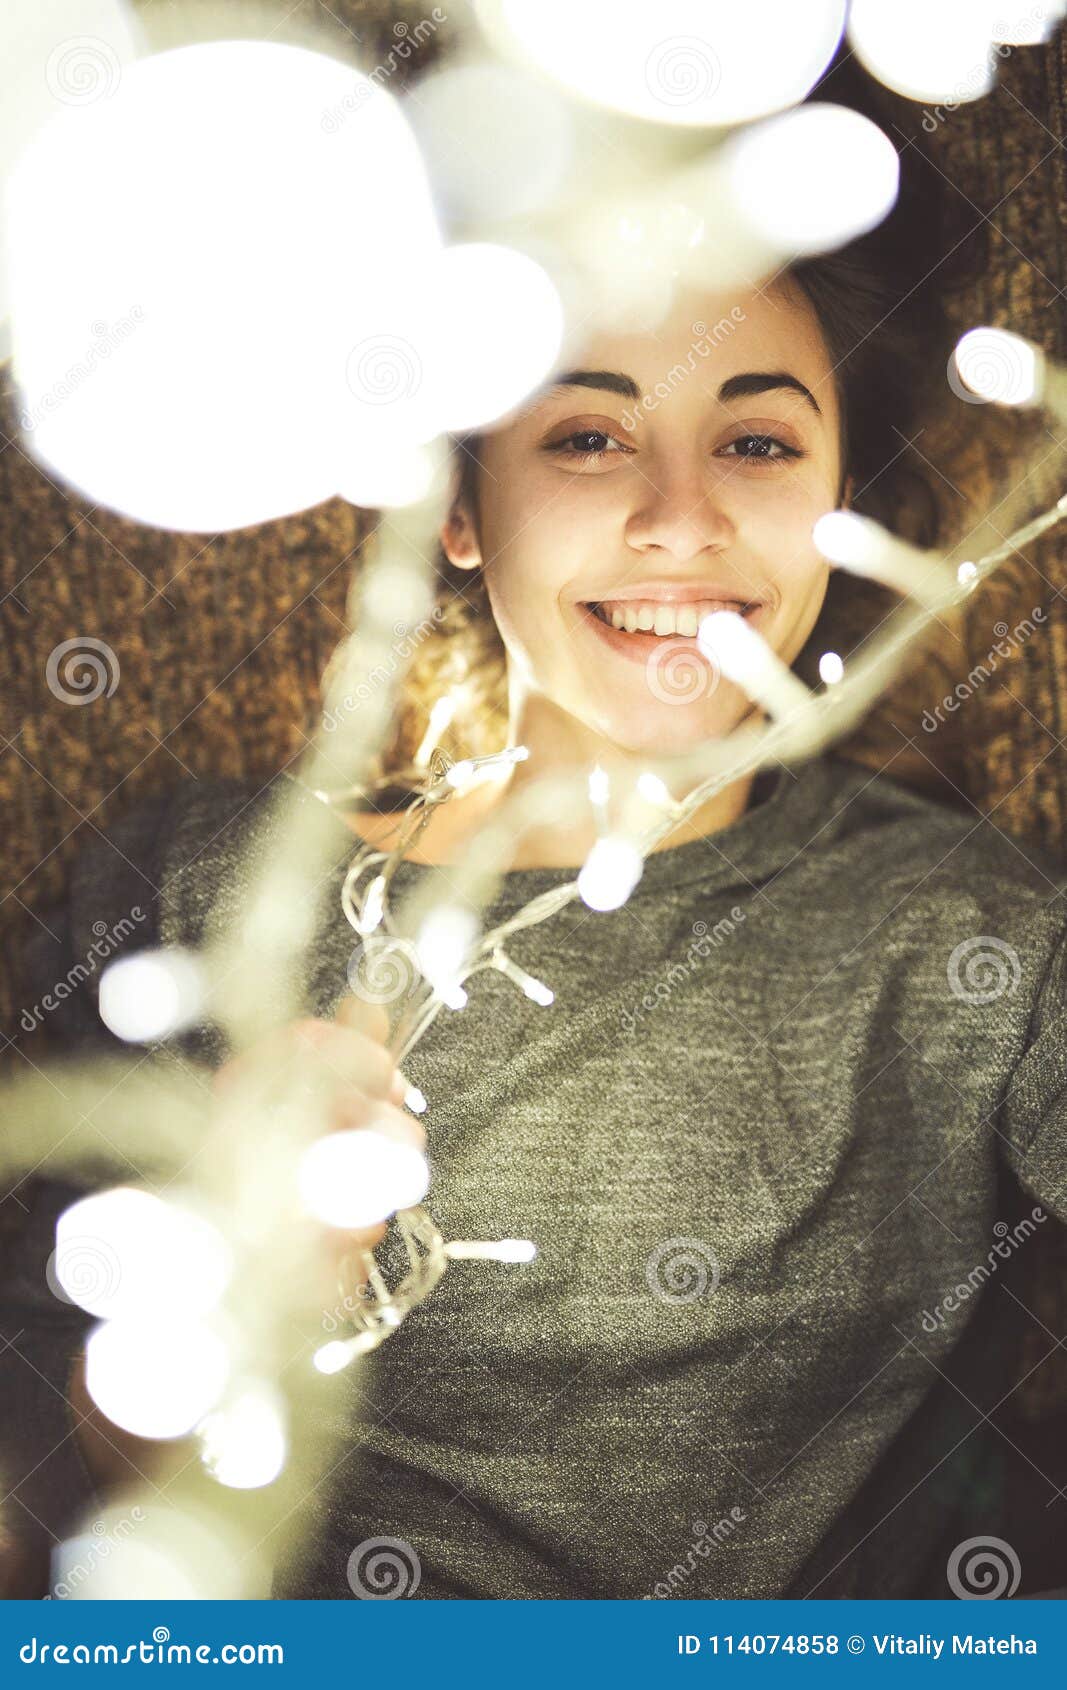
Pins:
x,y
459,539
850,488
459,534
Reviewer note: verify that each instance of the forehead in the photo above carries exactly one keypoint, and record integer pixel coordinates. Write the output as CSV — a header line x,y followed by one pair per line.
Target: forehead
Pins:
x,y
717,334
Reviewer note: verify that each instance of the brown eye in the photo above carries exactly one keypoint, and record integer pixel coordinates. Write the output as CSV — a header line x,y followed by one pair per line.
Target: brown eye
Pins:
x,y
761,448
584,443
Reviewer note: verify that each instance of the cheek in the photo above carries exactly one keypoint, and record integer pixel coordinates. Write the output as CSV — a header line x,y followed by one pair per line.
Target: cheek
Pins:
x,y
776,523
540,531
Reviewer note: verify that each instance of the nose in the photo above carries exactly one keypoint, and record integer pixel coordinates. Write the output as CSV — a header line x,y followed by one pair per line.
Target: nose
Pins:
x,y
680,510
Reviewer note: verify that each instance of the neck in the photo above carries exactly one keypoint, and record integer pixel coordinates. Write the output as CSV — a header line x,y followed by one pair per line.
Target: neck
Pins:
x,y
559,744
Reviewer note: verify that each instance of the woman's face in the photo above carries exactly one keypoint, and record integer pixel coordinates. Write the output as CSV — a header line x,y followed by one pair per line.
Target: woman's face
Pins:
x,y
676,472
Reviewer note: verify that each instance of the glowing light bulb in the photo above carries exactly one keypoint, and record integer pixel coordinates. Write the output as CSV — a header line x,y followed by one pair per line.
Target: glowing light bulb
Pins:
x,y
67,53
864,547
441,716
386,339
599,785
680,61
495,1250
461,774
332,1357
746,658
993,366
156,1378
831,668
152,994
390,478
653,790
481,367
242,1441
813,178
373,906
358,1177
442,945
534,989
848,539
1026,23
610,873
158,1552
125,1253
940,52
181,424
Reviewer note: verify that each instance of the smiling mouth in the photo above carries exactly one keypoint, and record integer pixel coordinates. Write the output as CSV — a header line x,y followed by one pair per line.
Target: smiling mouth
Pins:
x,y
663,621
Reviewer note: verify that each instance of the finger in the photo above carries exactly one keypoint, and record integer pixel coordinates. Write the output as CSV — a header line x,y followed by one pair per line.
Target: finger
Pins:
x,y
349,1056
349,1110
372,1020
364,1017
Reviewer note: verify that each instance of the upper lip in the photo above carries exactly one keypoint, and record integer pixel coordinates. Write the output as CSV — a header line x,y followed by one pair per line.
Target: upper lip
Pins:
x,y
674,592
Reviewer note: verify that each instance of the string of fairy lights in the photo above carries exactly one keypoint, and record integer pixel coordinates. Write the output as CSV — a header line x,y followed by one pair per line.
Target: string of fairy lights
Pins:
x,y
729,178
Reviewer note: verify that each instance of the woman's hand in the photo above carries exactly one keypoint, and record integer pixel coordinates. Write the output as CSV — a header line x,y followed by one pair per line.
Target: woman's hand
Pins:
x,y
362,1086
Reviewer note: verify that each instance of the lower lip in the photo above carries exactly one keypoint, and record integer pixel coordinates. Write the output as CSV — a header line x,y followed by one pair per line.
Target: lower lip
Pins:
x,y
640,647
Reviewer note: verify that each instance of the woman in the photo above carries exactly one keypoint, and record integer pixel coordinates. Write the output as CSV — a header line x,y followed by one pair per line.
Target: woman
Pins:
x,y
758,1136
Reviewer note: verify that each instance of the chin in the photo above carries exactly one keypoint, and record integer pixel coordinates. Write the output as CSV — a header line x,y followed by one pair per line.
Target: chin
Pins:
x,y
666,730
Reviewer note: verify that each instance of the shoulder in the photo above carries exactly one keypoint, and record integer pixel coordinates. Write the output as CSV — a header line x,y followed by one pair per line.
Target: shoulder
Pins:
x,y
937,861
132,866
130,881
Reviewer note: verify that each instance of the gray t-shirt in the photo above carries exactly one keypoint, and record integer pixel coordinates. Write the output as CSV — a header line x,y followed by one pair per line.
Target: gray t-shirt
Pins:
x,y
761,1141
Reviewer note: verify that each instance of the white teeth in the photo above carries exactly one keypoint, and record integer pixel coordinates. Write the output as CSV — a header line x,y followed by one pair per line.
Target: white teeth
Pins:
x,y
645,616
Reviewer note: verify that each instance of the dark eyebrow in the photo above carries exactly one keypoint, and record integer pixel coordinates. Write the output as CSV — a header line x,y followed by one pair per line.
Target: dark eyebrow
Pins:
x,y
611,381
734,387
743,386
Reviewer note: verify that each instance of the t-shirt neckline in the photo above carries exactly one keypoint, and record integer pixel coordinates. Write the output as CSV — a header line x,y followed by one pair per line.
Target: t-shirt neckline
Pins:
x,y
787,800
